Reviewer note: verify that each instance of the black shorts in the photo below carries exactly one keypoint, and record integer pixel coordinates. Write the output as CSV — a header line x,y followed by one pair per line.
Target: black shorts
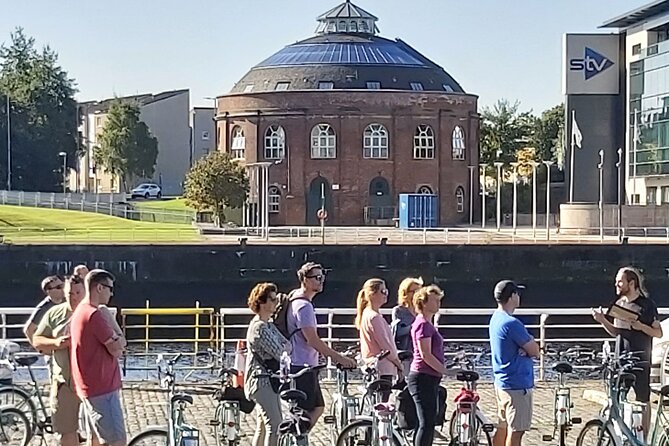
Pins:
x,y
309,384
642,384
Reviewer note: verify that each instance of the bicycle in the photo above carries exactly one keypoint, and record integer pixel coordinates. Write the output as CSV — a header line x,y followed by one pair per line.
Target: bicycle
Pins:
x,y
344,405
227,415
29,402
563,422
14,427
660,432
616,427
468,421
177,432
378,424
294,429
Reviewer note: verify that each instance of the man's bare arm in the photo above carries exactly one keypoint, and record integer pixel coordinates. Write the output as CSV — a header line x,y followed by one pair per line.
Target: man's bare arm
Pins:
x,y
311,335
48,345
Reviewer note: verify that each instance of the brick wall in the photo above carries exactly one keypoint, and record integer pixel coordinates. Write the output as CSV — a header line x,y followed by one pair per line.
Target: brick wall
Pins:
x,y
349,113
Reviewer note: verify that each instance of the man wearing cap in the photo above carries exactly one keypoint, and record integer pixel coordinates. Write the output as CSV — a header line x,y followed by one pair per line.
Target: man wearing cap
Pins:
x,y
512,349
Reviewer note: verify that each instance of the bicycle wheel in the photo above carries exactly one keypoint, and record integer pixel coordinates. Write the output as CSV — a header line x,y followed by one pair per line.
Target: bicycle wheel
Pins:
x,y
359,433
12,396
663,439
151,437
219,428
15,427
594,433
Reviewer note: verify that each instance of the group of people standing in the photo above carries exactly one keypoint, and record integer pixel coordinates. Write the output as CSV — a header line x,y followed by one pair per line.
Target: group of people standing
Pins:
x,y
78,332
512,347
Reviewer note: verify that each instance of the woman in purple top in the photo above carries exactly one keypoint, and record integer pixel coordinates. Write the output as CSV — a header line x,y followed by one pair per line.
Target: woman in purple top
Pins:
x,y
427,366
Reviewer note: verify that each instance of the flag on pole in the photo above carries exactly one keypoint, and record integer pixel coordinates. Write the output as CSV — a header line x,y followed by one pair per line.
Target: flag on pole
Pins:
x,y
576,136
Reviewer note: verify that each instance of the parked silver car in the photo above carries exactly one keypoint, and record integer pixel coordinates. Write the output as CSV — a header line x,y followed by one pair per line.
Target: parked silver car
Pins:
x,y
146,190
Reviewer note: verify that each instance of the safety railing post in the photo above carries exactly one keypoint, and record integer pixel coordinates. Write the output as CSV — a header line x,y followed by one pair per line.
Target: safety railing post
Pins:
x,y
147,336
197,332
330,334
542,344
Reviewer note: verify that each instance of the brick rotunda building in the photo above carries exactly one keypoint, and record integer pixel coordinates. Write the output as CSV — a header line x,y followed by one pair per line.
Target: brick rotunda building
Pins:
x,y
350,119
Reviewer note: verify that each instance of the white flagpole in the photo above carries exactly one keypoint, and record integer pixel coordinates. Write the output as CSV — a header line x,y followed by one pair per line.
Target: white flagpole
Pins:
x,y
571,160
635,139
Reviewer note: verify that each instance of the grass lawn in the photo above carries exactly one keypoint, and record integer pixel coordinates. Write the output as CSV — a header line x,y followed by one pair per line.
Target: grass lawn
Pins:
x,y
25,225
175,204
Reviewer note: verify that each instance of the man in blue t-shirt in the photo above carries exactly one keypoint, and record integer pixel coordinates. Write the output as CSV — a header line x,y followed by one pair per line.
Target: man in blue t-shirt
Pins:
x,y
512,349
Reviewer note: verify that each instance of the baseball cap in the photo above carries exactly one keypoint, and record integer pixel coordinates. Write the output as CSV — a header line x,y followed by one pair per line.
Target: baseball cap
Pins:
x,y
505,288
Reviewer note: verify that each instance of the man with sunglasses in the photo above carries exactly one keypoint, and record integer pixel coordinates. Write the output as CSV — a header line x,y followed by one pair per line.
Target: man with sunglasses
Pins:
x,y
52,286
96,348
53,337
306,343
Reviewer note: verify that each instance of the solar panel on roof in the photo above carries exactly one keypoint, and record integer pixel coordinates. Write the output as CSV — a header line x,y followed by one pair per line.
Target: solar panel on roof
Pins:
x,y
342,53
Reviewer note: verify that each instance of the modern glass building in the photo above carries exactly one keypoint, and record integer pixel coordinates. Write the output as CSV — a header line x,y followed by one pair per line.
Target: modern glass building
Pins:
x,y
645,31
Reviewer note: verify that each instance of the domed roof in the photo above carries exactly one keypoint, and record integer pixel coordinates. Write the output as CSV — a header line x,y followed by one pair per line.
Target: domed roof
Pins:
x,y
346,53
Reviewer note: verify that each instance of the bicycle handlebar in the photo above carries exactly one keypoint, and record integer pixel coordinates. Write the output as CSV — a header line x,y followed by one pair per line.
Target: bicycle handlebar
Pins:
x,y
291,376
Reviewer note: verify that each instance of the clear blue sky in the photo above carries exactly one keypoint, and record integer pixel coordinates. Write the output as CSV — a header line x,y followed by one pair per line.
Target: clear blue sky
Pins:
x,y
494,48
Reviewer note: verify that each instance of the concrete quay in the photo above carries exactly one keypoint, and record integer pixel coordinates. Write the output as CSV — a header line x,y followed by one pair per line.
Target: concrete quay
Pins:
x,y
145,405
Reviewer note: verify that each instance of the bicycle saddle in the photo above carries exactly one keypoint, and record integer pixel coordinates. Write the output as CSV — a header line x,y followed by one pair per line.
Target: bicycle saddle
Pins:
x,y
380,385
26,360
293,395
563,367
182,397
403,355
664,390
384,408
627,380
467,376
296,426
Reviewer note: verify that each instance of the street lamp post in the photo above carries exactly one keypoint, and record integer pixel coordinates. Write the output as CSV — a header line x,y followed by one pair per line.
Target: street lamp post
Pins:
x,y
515,195
499,165
471,194
9,146
600,166
548,198
483,195
534,165
64,155
619,165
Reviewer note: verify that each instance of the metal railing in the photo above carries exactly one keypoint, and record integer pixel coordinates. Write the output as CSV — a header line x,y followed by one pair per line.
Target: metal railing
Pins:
x,y
108,204
461,327
342,235
152,330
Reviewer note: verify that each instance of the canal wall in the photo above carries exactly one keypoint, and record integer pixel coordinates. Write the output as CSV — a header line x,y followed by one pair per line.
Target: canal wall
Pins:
x,y
555,275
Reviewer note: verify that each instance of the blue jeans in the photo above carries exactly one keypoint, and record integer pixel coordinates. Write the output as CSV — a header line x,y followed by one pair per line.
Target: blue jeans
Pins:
x,y
424,391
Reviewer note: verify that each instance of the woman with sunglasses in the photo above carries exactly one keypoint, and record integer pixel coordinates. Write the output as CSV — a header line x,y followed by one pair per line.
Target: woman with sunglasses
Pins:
x,y
265,346
375,335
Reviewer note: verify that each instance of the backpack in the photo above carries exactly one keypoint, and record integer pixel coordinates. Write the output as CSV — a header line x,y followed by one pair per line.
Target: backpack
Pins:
x,y
280,316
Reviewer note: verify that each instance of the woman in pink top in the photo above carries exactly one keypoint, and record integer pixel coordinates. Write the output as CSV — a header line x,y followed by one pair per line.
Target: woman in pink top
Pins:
x,y
375,334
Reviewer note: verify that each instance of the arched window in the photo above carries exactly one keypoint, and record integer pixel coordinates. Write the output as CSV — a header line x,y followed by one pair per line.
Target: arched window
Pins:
x,y
238,143
460,199
425,190
375,141
323,142
354,27
423,143
275,142
341,27
274,200
458,143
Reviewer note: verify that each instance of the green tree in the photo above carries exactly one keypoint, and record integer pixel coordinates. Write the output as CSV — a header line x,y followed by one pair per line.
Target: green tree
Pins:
x,y
216,182
127,149
548,134
43,114
504,131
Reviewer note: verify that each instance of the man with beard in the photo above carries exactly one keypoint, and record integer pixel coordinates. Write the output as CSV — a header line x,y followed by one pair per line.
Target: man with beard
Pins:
x,y
636,332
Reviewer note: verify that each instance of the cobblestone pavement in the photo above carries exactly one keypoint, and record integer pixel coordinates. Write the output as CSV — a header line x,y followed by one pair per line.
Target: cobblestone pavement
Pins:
x,y
145,405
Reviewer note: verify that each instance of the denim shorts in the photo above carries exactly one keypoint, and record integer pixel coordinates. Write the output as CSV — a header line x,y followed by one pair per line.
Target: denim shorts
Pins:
x,y
104,417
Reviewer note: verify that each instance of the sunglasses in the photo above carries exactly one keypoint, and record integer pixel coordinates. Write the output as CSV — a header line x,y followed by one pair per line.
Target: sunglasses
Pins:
x,y
111,287
319,277
384,291
57,287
